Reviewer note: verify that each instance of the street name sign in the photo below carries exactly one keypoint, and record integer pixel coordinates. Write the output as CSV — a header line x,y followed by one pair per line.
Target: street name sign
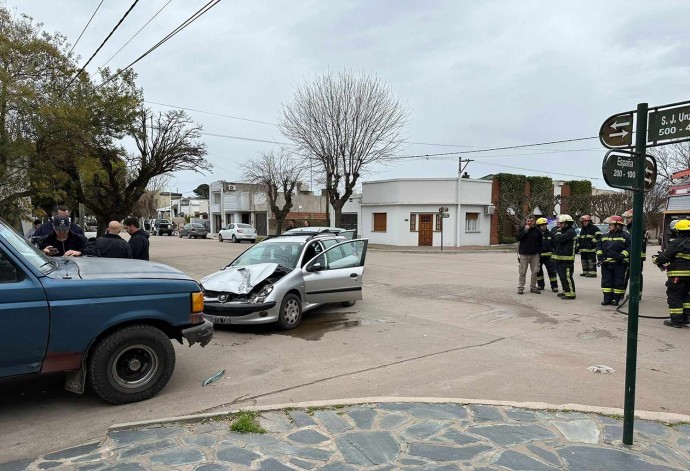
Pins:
x,y
619,169
671,124
616,132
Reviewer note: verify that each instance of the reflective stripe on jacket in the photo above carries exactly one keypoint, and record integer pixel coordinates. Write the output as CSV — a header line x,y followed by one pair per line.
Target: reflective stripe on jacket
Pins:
x,y
612,245
677,256
564,245
588,238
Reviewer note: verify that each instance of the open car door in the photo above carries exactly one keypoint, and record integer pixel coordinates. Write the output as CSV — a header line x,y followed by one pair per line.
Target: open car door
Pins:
x,y
335,275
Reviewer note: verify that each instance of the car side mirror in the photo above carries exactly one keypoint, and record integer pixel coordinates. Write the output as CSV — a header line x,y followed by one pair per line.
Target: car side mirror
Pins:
x,y
315,267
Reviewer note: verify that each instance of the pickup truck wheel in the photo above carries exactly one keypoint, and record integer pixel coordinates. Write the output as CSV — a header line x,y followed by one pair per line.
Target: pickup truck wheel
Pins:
x,y
131,364
290,312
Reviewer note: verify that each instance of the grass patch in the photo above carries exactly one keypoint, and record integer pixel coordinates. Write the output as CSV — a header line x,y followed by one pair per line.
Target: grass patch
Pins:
x,y
245,422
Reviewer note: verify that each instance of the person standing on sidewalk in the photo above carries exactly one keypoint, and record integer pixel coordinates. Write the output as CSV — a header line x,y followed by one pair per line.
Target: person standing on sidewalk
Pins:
x,y
587,246
564,255
545,257
676,260
613,251
530,239
628,217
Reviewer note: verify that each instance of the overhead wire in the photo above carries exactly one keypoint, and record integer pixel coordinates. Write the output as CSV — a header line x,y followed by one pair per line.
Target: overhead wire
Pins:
x,y
183,25
101,46
87,25
135,34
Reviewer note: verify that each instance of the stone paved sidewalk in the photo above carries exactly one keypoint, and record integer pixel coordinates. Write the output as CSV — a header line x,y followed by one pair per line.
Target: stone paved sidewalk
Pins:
x,y
386,436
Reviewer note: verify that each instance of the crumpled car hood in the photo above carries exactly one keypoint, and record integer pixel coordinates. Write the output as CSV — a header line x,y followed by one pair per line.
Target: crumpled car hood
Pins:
x,y
239,280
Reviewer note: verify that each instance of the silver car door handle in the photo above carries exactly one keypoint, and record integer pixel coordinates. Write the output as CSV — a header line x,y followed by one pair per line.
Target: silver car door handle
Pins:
x,y
354,275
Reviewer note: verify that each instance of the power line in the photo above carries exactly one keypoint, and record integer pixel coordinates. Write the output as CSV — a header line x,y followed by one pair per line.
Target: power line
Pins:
x,y
87,25
211,113
135,34
538,171
243,138
102,44
551,151
499,148
187,22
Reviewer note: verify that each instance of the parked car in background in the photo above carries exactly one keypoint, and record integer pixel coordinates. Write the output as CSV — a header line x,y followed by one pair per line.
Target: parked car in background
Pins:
x,y
162,226
281,277
237,232
106,322
193,230
603,228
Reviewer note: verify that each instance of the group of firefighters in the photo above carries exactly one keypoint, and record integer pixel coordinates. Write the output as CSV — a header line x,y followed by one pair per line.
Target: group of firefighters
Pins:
x,y
610,252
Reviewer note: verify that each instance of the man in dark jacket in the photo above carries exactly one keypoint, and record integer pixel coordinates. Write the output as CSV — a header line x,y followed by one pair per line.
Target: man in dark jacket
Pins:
x,y
587,246
613,251
47,228
676,260
110,244
62,241
628,217
138,240
564,255
545,257
530,239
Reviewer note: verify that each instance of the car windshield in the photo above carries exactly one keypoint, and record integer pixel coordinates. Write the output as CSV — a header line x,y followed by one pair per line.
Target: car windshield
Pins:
x,y
283,253
35,257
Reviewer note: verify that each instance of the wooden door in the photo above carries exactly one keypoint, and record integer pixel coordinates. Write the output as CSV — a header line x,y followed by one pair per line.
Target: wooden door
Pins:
x,y
426,230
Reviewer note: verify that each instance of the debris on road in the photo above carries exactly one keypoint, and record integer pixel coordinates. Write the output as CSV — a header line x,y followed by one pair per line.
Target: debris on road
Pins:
x,y
601,369
212,379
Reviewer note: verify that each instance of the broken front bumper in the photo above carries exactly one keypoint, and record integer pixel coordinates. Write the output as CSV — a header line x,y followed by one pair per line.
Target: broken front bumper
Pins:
x,y
201,334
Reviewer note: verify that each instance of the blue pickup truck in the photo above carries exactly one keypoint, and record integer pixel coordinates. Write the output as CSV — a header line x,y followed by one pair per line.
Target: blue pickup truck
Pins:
x,y
107,323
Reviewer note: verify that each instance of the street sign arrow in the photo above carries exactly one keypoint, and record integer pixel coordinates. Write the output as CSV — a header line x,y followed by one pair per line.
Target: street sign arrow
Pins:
x,y
621,134
650,171
616,132
618,169
616,125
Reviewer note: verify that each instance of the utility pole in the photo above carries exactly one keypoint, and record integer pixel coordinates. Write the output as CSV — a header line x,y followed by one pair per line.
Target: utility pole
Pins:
x,y
461,169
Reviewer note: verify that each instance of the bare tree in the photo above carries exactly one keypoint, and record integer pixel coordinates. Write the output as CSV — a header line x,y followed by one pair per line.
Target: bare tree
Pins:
x,y
276,173
146,207
346,123
607,204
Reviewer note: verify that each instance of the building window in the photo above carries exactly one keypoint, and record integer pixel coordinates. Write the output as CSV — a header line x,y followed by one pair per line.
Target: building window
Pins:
x,y
413,222
380,222
439,222
216,198
471,222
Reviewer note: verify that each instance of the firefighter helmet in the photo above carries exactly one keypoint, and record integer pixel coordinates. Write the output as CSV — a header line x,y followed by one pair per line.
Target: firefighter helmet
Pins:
x,y
628,214
672,226
586,217
615,220
541,221
683,225
565,218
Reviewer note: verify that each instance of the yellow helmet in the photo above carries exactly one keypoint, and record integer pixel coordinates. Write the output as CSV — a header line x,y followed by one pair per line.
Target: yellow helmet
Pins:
x,y
541,221
683,225
565,218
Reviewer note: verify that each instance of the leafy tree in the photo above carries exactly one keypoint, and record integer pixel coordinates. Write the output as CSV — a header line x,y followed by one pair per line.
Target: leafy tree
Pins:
x,y
202,191
345,123
276,173
166,142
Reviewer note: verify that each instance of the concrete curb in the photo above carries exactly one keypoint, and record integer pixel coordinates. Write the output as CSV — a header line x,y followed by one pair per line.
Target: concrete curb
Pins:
x,y
665,417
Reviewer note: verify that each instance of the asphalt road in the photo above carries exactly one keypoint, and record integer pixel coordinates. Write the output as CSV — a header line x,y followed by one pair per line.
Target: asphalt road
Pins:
x,y
430,325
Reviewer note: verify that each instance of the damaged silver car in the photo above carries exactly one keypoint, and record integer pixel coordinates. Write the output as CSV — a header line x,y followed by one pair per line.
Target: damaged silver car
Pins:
x,y
278,279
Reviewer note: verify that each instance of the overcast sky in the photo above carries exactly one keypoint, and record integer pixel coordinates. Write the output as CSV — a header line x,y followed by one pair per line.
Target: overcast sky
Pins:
x,y
474,74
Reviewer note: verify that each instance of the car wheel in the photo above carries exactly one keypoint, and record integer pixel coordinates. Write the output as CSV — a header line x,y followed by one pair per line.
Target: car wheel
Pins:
x,y
290,312
253,241
131,364
220,238
234,239
348,303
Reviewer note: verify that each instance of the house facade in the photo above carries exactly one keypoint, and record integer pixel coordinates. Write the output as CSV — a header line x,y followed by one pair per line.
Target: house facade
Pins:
x,y
405,212
247,203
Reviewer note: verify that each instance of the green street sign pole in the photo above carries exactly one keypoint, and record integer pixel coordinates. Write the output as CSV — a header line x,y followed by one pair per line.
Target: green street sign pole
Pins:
x,y
635,270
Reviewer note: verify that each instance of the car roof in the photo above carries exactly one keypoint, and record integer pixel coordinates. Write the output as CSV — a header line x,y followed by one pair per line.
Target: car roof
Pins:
x,y
297,237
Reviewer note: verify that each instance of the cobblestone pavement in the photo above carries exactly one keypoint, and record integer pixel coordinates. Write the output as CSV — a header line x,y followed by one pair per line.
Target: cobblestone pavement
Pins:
x,y
386,436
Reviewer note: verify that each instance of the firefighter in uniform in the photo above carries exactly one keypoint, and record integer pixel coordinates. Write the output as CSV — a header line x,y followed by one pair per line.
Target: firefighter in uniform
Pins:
x,y
676,259
587,246
613,251
545,257
628,216
564,255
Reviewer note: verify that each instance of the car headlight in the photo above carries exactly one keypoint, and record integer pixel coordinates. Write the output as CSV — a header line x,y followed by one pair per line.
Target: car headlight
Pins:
x,y
260,297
